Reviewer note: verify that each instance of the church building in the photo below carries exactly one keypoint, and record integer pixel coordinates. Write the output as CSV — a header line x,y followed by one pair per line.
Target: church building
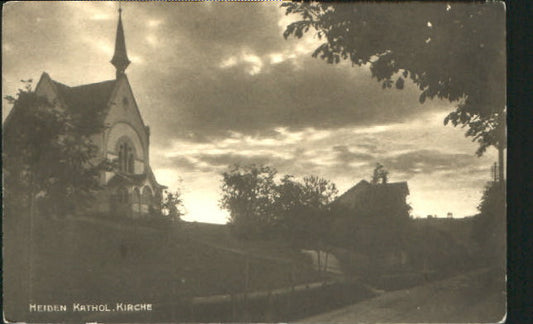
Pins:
x,y
132,189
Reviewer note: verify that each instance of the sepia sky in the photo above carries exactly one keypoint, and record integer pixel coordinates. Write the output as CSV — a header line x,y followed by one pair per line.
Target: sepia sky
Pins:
x,y
218,84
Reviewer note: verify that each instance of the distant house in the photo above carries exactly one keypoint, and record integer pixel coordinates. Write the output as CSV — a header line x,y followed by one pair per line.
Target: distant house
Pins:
x,y
382,200
370,218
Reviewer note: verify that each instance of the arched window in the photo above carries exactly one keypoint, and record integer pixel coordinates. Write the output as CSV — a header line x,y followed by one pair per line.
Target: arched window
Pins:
x,y
146,200
130,161
126,156
122,195
120,201
120,156
136,201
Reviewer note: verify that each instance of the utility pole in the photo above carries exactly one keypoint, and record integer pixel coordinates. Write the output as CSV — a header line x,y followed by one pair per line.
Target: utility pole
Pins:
x,y
501,146
494,172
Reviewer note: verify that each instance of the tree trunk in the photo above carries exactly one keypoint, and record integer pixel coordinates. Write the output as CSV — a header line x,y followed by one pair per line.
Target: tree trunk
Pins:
x,y
31,239
326,261
319,265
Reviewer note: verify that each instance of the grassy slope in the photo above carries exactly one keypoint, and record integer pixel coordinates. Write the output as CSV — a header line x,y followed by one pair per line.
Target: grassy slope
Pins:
x,y
84,262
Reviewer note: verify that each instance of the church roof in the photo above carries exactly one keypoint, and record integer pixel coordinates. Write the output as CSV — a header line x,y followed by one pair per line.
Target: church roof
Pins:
x,y
86,98
124,179
120,179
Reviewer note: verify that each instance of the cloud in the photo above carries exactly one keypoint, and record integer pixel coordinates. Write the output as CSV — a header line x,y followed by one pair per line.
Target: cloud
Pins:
x,y
344,154
428,161
195,70
253,64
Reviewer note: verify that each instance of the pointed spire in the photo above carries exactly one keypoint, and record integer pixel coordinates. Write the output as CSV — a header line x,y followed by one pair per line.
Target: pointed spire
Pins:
x,y
120,58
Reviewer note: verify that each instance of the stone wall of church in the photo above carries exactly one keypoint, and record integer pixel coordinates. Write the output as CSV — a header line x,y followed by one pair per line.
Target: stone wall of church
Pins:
x,y
142,200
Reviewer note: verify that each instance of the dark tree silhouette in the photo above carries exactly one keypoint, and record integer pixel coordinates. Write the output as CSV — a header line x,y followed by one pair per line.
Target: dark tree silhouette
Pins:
x,y
450,51
49,157
490,227
261,207
249,194
303,213
172,204
302,208
50,167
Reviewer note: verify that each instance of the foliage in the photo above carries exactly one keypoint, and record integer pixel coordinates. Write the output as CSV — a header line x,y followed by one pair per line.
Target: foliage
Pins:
x,y
450,51
318,192
489,230
259,205
249,195
303,209
47,158
172,204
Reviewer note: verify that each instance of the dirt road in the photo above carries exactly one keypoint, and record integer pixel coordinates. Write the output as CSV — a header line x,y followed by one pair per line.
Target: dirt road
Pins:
x,y
475,297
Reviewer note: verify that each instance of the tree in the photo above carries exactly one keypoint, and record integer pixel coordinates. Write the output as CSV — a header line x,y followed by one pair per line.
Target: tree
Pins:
x,y
50,167
318,192
249,194
260,206
172,205
303,212
49,157
489,230
450,51
302,207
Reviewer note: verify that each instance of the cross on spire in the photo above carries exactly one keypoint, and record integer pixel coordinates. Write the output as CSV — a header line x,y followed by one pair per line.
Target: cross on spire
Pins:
x,y
120,58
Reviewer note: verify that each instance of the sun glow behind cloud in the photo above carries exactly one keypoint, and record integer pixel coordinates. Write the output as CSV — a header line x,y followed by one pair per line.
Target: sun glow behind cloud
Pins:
x,y
345,155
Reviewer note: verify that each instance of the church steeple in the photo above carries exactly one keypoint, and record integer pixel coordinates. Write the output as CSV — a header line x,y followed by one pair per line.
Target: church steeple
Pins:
x,y
120,58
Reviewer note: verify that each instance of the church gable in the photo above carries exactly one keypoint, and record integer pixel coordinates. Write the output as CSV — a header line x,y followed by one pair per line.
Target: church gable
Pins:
x,y
126,126
46,88
123,108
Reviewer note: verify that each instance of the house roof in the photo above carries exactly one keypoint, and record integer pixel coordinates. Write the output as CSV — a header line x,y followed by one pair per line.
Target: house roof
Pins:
x,y
399,187
363,191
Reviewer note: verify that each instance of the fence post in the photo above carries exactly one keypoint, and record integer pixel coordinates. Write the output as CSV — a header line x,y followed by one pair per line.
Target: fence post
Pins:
x,y
233,308
270,308
192,311
291,283
244,313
